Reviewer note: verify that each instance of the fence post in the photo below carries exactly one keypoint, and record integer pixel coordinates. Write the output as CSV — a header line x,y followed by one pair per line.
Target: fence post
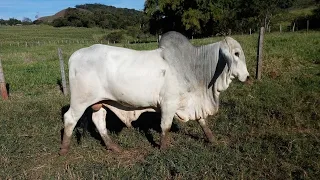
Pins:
x,y
280,28
294,25
250,31
307,25
63,76
259,54
3,85
229,32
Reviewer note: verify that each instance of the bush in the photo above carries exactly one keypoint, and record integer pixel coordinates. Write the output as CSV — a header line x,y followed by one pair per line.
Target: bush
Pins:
x,y
60,22
38,21
115,36
313,19
133,31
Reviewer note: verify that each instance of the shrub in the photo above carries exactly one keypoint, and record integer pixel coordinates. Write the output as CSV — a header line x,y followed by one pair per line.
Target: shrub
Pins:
x,y
115,36
60,22
313,19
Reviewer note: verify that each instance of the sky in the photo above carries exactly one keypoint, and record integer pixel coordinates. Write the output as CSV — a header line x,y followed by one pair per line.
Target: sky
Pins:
x,y
31,8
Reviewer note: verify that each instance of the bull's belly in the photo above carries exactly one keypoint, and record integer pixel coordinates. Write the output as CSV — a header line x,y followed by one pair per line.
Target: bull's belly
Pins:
x,y
125,113
135,97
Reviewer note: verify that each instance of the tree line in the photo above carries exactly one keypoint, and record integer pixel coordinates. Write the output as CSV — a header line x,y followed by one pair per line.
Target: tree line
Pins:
x,y
14,21
191,17
210,17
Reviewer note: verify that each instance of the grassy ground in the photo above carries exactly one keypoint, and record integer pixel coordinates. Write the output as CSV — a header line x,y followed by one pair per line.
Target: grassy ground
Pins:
x,y
269,130
48,34
287,17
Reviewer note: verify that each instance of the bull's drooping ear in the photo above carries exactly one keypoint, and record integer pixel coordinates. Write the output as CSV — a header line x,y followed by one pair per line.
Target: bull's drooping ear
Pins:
x,y
226,54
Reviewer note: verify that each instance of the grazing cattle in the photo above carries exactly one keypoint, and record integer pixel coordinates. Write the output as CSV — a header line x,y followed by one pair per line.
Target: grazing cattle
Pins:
x,y
178,80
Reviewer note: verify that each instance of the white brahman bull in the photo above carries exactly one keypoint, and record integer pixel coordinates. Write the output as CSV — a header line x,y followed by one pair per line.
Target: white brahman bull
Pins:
x,y
178,80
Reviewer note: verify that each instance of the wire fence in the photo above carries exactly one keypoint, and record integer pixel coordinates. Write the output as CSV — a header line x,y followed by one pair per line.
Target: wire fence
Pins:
x,y
269,29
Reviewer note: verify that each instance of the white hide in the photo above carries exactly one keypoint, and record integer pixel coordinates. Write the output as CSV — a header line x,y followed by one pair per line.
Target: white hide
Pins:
x,y
130,82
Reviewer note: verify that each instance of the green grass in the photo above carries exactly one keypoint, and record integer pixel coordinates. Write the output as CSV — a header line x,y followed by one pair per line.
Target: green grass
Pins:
x,y
48,34
286,18
269,130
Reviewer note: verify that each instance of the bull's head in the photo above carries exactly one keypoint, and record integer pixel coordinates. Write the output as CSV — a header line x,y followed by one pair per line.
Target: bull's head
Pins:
x,y
235,59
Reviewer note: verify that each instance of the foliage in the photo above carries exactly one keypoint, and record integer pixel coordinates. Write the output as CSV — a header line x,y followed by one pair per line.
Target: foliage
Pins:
x,y
75,17
2,22
38,21
60,22
208,17
304,3
115,37
26,21
13,21
313,19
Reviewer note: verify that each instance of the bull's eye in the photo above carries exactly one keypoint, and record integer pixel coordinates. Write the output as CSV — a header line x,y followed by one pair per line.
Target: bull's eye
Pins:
x,y
237,54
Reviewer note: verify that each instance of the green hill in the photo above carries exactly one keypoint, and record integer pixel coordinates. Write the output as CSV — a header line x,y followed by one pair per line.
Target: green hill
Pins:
x,y
60,14
97,15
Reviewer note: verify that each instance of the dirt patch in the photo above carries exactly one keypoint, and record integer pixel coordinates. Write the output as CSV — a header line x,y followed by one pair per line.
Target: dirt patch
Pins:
x,y
129,157
274,74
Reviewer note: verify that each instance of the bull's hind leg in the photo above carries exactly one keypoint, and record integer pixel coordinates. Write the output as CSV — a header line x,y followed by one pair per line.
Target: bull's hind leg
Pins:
x,y
71,117
207,131
167,114
99,119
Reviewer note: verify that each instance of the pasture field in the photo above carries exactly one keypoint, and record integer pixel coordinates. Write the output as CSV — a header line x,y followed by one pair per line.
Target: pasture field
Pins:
x,y
267,130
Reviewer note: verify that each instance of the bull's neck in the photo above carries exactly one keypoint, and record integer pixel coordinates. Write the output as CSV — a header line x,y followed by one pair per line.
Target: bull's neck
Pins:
x,y
208,56
215,72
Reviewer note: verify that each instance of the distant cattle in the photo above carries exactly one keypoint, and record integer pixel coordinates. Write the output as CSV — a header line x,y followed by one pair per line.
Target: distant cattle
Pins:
x,y
178,80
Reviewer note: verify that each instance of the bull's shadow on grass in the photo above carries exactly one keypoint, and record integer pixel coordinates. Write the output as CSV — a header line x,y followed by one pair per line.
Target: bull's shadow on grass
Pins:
x,y
151,121
59,83
145,124
8,88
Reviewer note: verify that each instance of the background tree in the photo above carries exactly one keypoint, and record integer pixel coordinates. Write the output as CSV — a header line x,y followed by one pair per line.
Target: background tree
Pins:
x,y
13,21
208,17
26,21
60,22
3,22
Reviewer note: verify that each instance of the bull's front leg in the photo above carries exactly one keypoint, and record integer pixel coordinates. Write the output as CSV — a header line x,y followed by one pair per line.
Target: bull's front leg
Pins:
x,y
207,131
